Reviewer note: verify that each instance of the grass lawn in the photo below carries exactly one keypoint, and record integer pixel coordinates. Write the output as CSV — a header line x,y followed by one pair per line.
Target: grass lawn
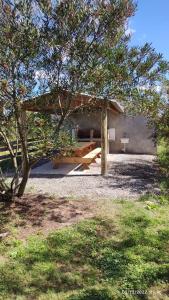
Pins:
x,y
120,253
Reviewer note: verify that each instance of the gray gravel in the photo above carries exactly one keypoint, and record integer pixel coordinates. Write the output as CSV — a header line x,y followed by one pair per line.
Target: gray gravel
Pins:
x,y
129,177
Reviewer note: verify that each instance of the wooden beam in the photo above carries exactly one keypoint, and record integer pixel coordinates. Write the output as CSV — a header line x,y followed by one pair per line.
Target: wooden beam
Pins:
x,y
104,139
91,134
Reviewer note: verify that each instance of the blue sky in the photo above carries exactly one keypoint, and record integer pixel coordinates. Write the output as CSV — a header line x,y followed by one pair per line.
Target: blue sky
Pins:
x,y
151,24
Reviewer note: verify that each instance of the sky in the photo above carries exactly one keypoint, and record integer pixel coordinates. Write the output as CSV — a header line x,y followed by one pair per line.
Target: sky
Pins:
x,y
151,24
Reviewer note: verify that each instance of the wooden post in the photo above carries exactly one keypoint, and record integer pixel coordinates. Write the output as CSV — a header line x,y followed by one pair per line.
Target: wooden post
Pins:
x,y
77,132
73,134
108,142
104,139
91,134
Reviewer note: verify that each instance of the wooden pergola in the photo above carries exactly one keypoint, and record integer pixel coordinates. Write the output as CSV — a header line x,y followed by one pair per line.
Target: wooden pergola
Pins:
x,y
60,101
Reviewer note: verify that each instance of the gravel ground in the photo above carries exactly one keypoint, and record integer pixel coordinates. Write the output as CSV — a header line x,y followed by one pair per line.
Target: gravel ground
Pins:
x,y
129,177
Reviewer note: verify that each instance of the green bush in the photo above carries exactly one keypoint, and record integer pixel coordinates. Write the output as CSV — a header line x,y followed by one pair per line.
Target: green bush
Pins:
x,y
163,159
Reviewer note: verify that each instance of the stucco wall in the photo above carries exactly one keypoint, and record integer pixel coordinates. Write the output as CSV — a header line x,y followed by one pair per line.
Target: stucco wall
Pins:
x,y
87,120
135,128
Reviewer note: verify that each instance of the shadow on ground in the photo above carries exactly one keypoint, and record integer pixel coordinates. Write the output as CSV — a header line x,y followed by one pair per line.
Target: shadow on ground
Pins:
x,y
43,213
137,177
98,259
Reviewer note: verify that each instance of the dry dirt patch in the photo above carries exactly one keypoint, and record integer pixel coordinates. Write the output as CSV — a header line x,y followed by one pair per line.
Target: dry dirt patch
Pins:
x,y
42,213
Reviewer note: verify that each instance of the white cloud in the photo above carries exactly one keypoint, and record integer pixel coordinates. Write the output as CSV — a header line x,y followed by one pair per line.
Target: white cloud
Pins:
x,y
156,88
143,87
40,74
130,31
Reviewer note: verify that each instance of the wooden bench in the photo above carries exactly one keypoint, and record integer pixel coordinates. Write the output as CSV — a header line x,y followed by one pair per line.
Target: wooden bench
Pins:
x,y
85,161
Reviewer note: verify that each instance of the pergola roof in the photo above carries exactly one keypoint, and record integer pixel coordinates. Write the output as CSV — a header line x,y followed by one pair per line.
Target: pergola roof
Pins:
x,y
58,100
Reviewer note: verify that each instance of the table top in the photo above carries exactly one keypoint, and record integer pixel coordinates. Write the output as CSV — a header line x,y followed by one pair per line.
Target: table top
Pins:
x,y
81,148
83,145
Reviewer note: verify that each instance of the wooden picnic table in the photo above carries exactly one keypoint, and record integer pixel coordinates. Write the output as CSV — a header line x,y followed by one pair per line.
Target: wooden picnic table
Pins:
x,y
83,148
79,154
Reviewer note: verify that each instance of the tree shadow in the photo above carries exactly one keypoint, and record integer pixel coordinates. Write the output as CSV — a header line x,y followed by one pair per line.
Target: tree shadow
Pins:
x,y
137,177
42,212
89,254
5,215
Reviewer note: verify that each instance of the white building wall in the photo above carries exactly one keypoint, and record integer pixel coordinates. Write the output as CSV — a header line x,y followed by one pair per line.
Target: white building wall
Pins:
x,y
134,128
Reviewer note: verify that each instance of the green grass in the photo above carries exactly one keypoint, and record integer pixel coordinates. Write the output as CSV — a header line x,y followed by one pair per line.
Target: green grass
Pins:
x,y
100,259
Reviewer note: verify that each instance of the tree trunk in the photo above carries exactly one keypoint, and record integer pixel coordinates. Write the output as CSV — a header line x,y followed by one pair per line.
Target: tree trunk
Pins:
x,y
26,167
25,177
